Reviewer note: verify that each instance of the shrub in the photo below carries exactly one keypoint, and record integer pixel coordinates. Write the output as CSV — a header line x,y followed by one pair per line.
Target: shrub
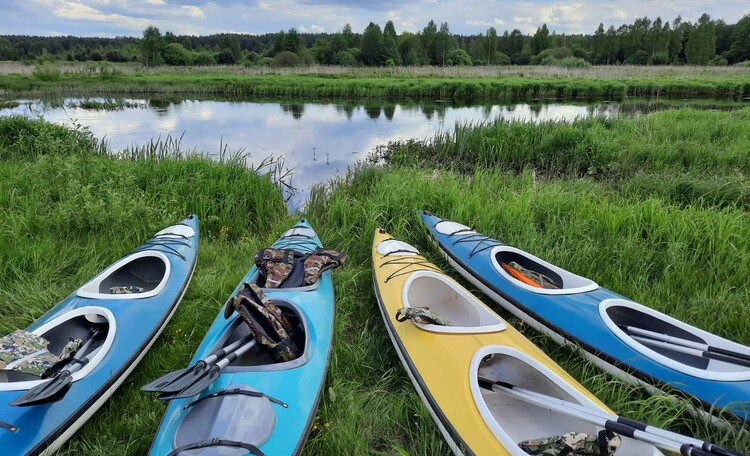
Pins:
x,y
659,58
548,60
286,59
390,63
579,51
175,54
718,60
345,58
226,57
561,53
501,58
204,59
265,61
46,73
746,63
573,62
459,57
639,57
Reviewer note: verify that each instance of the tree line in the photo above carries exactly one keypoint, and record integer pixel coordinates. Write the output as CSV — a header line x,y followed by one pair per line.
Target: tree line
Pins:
x,y
644,42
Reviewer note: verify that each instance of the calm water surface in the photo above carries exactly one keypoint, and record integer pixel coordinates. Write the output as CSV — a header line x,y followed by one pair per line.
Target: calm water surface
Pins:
x,y
317,140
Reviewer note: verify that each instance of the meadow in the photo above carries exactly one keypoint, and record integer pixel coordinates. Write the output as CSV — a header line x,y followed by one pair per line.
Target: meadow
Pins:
x,y
655,208
455,83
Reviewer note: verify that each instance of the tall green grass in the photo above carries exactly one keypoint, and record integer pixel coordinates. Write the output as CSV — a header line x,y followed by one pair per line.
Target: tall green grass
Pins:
x,y
386,86
671,142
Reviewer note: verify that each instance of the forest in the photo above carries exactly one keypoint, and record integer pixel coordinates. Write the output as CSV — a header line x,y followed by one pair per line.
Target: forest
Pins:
x,y
644,42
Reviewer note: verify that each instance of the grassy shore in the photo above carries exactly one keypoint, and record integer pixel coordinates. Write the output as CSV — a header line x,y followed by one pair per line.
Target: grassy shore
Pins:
x,y
495,83
68,210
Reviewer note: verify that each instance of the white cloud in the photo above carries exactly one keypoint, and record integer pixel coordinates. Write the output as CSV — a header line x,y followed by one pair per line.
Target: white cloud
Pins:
x,y
618,15
522,20
317,28
499,21
479,23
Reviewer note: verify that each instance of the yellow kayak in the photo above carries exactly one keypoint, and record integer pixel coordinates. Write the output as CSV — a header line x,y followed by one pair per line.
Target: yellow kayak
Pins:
x,y
452,364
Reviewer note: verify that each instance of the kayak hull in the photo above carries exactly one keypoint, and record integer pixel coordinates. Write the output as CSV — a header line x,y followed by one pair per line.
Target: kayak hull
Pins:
x,y
442,361
576,319
298,383
133,325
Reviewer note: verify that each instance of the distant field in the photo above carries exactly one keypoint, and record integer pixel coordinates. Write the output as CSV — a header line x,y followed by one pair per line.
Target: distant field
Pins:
x,y
594,72
444,83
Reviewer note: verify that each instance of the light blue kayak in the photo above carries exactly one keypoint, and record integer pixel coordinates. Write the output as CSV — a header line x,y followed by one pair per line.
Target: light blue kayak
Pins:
x,y
158,273
256,406
625,338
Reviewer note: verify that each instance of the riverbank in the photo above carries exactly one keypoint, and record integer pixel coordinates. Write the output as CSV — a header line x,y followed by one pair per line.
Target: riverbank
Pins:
x,y
69,210
494,83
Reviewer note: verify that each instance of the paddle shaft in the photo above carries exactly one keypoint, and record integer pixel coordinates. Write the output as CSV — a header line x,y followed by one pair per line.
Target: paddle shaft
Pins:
x,y
692,351
669,440
687,343
207,361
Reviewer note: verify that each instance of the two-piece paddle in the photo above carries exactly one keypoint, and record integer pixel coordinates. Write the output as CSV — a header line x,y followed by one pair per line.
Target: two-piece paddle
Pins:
x,y
663,438
178,380
742,359
57,386
204,379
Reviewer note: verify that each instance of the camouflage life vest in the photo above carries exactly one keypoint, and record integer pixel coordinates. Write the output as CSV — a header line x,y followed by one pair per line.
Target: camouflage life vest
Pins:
x,y
26,352
573,443
533,278
421,315
269,325
130,289
284,268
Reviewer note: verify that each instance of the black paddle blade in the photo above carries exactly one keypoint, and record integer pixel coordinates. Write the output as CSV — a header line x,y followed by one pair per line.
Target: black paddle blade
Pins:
x,y
184,381
50,391
199,384
164,380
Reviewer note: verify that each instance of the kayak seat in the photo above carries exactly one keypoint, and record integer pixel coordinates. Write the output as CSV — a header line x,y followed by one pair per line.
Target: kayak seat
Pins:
x,y
139,275
454,305
536,275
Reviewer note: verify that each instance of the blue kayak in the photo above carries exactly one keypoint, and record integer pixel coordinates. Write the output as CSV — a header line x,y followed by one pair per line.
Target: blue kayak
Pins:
x,y
153,279
256,405
627,339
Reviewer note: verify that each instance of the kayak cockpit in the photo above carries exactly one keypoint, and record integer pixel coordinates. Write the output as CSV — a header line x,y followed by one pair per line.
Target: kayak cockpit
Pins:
x,y
76,324
565,282
258,358
139,275
674,343
513,420
450,301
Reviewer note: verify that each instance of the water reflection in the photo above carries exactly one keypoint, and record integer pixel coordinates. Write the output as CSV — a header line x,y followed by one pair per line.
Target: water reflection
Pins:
x,y
318,140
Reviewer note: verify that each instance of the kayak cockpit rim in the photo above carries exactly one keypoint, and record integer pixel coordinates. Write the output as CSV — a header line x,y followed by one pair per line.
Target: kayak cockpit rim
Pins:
x,y
95,315
527,421
148,269
630,313
571,283
449,300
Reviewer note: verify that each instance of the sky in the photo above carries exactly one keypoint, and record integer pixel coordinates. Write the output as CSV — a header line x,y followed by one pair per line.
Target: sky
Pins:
x,y
202,17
